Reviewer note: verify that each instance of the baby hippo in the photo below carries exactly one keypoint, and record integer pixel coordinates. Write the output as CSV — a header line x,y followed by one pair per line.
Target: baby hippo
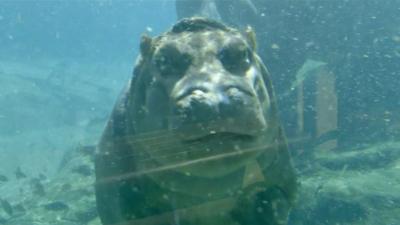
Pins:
x,y
195,137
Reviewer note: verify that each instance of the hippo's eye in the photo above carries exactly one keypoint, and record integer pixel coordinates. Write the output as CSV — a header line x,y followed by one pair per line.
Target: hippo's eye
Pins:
x,y
171,62
235,58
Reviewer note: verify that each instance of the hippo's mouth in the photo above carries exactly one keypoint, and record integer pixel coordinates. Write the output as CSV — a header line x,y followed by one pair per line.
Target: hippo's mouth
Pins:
x,y
221,136
218,131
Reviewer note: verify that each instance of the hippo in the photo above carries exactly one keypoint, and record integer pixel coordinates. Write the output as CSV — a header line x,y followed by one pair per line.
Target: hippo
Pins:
x,y
195,136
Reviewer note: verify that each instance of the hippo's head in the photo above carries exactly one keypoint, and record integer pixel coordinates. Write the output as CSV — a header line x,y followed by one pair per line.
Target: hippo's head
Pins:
x,y
202,101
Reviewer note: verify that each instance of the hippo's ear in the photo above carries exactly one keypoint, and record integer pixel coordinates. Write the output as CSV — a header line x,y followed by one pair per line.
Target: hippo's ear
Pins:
x,y
146,46
251,37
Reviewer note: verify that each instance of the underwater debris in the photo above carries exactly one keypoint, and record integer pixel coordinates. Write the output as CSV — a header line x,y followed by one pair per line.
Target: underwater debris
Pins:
x,y
56,206
84,170
306,71
37,187
309,69
7,207
19,174
3,178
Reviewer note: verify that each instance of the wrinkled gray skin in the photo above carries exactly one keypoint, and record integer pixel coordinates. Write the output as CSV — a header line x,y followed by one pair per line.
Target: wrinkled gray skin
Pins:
x,y
195,138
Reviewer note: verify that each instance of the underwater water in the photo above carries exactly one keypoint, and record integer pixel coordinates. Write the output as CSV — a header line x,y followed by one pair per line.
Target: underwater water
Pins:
x,y
334,65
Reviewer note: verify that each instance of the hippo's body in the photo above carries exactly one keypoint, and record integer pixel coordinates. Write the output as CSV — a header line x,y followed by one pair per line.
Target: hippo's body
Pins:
x,y
195,137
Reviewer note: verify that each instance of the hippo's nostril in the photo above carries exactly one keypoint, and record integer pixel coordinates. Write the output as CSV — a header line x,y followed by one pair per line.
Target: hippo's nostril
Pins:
x,y
196,91
234,90
195,108
234,94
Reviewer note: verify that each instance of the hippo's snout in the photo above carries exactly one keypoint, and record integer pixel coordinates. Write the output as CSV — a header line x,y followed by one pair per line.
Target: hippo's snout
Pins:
x,y
200,104
216,109
196,107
